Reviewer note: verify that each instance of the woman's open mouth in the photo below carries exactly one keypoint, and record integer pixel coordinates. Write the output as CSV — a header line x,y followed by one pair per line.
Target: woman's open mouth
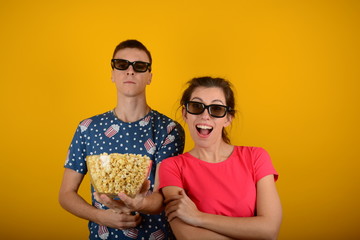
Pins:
x,y
204,129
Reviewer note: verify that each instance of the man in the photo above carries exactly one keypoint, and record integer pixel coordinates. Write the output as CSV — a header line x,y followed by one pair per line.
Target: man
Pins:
x,y
131,127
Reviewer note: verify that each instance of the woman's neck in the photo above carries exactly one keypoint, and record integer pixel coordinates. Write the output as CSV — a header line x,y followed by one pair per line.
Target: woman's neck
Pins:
x,y
213,154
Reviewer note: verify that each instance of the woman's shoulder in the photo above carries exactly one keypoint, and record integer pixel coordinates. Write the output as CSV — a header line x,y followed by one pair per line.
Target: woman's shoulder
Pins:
x,y
250,152
250,149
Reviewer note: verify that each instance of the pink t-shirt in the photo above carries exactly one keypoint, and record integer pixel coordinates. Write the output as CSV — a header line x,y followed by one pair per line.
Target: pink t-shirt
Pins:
x,y
226,188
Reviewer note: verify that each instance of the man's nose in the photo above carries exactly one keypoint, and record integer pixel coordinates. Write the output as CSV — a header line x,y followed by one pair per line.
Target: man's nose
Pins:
x,y
130,70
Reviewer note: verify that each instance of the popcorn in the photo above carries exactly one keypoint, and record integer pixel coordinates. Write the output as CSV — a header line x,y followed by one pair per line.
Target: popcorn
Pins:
x,y
114,173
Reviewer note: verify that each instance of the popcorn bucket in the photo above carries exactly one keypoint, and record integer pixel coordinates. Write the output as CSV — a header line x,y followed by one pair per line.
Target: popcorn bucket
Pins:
x,y
118,173
112,130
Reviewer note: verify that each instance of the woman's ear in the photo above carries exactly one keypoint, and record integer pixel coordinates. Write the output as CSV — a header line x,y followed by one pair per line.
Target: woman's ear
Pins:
x,y
112,76
184,113
228,120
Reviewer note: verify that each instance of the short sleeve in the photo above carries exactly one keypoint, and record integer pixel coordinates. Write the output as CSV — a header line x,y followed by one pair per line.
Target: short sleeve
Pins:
x,y
173,142
263,165
170,173
77,151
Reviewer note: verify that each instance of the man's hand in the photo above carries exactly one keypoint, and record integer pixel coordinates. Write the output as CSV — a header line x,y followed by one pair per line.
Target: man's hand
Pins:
x,y
126,204
116,220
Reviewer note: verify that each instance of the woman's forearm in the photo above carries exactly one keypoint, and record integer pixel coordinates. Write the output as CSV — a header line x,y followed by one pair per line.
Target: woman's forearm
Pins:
x,y
184,231
265,225
153,204
258,227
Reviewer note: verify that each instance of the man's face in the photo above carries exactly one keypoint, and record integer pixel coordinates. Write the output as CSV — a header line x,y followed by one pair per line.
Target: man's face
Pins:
x,y
128,82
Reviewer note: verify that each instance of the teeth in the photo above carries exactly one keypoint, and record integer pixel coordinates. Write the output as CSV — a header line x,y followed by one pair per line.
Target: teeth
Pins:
x,y
203,127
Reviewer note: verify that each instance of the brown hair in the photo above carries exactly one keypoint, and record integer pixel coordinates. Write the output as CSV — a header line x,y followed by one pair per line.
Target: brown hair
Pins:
x,y
209,82
131,43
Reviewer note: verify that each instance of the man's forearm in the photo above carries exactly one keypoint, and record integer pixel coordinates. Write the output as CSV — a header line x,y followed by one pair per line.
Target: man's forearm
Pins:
x,y
75,204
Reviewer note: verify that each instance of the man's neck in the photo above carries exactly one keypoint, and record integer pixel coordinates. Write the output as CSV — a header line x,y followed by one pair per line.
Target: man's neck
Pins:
x,y
131,109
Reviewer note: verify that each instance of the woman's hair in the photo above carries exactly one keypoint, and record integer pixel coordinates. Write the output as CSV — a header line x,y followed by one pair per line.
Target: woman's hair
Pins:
x,y
210,82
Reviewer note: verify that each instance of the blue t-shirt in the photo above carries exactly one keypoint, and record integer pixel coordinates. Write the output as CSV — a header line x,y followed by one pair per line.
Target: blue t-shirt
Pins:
x,y
155,135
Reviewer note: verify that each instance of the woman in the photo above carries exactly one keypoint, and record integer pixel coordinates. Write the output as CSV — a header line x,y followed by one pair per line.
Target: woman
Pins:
x,y
217,190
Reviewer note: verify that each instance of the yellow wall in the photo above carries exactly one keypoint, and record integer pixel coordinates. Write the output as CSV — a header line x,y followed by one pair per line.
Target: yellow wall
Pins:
x,y
295,66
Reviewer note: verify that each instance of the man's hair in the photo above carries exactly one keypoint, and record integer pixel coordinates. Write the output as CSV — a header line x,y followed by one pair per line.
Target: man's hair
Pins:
x,y
131,43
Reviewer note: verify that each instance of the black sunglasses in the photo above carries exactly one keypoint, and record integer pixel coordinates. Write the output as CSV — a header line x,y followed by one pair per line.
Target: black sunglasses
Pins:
x,y
122,64
215,110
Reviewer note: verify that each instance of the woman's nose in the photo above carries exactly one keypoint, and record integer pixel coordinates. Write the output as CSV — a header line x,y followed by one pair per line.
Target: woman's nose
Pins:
x,y
205,114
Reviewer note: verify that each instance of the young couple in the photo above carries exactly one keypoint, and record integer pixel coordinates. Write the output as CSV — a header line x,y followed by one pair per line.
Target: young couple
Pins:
x,y
214,191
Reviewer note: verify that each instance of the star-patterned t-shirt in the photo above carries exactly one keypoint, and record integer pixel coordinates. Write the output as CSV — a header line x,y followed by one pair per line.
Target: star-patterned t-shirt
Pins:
x,y
155,135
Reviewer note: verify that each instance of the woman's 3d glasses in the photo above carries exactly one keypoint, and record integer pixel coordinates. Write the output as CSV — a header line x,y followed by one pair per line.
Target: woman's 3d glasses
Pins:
x,y
215,110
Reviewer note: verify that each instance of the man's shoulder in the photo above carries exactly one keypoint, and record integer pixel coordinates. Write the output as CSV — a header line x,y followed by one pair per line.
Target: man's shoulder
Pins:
x,y
95,121
160,116
161,119
99,117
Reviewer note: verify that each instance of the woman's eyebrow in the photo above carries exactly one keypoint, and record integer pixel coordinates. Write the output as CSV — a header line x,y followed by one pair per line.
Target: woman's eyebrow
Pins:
x,y
197,98
213,101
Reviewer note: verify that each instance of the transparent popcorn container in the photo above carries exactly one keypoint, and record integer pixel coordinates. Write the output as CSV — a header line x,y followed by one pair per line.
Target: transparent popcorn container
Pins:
x,y
118,173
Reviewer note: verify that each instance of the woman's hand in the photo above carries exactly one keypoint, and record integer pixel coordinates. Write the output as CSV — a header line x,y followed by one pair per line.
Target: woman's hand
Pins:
x,y
182,207
126,204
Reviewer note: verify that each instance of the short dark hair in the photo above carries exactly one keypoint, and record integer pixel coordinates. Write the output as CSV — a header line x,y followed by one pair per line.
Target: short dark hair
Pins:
x,y
132,43
209,82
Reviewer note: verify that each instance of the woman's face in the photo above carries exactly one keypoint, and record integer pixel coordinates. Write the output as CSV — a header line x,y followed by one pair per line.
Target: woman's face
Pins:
x,y
206,130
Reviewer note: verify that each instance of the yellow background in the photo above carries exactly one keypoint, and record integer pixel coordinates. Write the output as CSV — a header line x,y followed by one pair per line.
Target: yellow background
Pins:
x,y
295,66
